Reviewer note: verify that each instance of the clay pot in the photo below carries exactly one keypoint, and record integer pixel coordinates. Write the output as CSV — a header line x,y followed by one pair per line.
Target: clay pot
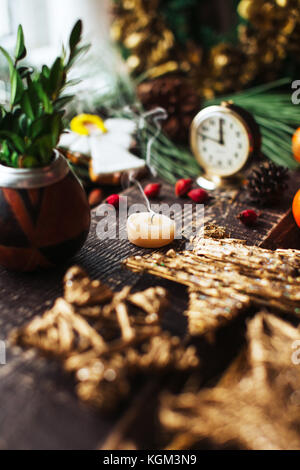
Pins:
x,y
44,216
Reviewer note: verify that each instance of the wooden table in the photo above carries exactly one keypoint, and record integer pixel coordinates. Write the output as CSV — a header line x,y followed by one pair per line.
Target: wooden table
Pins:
x,y
39,408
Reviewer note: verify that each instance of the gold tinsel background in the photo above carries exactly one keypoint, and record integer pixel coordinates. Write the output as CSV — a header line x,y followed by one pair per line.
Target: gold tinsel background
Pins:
x,y
268,34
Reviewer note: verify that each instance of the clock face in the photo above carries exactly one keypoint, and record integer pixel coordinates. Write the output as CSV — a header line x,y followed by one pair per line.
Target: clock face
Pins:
x,y
221,143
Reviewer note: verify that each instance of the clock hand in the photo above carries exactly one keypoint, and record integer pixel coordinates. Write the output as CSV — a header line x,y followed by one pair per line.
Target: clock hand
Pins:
x,y
208,137
221,130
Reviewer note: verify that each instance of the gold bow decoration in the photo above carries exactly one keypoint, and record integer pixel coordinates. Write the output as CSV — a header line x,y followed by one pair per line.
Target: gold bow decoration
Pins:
x,y
151,46
270,34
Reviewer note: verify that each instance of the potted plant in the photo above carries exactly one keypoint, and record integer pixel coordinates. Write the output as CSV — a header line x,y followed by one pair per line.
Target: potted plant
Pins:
x,y
44,213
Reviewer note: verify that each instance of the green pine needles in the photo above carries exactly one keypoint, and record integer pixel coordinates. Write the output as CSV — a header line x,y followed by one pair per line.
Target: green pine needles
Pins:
x,y
32,122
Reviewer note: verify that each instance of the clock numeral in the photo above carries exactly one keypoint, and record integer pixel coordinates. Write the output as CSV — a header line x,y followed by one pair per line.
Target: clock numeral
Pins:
x,y
238,134
236,155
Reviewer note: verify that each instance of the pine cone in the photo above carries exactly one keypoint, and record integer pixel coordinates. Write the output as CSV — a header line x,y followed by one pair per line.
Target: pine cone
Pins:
x,y
267,182
178,98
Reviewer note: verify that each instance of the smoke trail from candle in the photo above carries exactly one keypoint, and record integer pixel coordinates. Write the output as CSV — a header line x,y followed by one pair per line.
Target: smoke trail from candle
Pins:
x,y
139,186
157,114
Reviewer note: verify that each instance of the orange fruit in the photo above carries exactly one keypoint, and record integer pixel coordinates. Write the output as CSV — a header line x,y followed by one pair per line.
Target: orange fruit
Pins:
x,y
296,208
296,145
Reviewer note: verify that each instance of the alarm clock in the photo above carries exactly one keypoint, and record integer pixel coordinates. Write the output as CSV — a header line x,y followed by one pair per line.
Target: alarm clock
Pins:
x,y
224,140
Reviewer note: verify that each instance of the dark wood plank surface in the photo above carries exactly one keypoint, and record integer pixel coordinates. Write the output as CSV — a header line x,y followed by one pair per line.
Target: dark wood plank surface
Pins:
x,y
39,409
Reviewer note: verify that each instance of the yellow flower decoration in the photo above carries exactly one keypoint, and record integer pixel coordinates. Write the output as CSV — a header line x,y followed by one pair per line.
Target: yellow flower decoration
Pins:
x,y
81,123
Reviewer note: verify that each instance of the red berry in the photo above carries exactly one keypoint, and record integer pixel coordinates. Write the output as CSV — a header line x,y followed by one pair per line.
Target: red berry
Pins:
x,y
183,186
95,197
198,195
113,200
248,217
152,190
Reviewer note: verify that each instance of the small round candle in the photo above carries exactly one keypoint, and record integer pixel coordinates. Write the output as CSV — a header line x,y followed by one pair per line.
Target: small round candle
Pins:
x,y
150,230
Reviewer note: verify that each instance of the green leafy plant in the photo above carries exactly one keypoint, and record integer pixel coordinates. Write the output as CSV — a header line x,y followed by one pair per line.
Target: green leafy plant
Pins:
x,y
32,122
